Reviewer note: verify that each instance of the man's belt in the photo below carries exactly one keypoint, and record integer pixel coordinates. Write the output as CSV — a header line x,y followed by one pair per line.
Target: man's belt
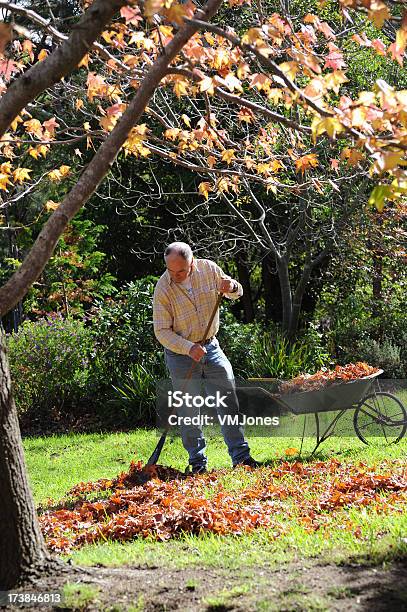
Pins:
x,y
208,340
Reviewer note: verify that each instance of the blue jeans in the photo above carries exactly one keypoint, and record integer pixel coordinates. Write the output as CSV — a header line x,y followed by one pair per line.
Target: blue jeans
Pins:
x,y
214,372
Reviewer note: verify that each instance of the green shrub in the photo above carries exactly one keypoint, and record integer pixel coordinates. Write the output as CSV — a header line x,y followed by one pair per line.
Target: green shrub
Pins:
x,y
255,351
235,339
128,359
385,355
135,395
123,329
111,363
50,363
275,357
381,341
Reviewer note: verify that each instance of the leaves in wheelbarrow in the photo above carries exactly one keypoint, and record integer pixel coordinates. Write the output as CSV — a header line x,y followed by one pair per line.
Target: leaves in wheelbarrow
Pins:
x,y
171,504
325,377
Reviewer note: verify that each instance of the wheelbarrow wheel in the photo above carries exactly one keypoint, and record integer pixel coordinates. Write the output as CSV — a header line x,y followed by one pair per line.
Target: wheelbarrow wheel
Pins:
x,y
380,414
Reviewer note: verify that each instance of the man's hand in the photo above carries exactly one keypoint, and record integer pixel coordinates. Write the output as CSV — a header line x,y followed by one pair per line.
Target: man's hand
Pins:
x,y
226,286
197,352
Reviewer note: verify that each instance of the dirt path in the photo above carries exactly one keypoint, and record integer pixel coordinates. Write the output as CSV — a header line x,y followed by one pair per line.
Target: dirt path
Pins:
x,y
300,586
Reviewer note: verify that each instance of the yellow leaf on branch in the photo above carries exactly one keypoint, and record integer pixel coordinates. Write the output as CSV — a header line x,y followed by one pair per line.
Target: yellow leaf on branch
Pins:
x,y
35,152
140,129
176,12
378,196
352,156
243,70
233,83
51,205
4,181
64,170
107,37
252,36
228,155
270,186
186,120
331,125
290,69
5,167
249,162
59,173
275,95
224,184
33,126
181,87
388,161
204,189
260,81
207,85
172,133
245,115
275,165
135,143
84,61
221,58
358,116
15,122
107,123
333,80
21,174
378,12
306,162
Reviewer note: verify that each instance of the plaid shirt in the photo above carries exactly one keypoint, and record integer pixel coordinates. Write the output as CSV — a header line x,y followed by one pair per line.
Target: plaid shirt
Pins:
x,y
180,320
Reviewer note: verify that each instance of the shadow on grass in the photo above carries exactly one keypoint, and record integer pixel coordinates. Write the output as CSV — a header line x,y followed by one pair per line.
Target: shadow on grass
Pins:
x,y
385,595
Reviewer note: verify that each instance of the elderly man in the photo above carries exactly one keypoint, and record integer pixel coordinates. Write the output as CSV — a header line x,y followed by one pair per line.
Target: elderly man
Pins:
x,y
184,299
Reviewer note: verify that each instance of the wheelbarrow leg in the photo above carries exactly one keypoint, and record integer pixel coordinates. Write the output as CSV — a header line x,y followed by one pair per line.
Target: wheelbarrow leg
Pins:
x,y
317,433
303,432
328,431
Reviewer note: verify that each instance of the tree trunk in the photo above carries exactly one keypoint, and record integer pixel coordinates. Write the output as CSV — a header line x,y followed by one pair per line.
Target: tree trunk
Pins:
x,y
22,548
273,309
244,279
297,300
286,293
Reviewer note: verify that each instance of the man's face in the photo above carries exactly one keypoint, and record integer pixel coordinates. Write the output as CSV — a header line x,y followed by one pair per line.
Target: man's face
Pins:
x,y
178,268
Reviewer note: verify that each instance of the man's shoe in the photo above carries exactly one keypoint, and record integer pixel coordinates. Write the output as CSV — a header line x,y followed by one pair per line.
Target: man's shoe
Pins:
x,y
199,469
249,461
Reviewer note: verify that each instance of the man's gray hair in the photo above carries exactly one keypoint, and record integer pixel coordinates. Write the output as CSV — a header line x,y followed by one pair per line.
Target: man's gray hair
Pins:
x,y
179,248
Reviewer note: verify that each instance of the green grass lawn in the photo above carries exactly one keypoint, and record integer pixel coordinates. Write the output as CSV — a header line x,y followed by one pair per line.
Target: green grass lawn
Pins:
x,y
57,463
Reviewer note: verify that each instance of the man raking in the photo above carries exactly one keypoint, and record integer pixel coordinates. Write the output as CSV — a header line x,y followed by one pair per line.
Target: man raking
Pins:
x,y
184,299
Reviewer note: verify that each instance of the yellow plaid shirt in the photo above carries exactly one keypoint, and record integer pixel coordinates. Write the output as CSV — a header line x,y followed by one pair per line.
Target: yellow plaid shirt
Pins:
x,y
180,320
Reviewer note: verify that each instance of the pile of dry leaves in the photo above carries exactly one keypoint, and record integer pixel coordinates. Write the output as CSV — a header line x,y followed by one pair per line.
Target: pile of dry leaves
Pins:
x,y
170,503
325,377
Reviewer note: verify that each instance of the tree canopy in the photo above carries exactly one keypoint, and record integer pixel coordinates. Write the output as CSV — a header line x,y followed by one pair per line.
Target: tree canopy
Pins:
x,y
264,106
